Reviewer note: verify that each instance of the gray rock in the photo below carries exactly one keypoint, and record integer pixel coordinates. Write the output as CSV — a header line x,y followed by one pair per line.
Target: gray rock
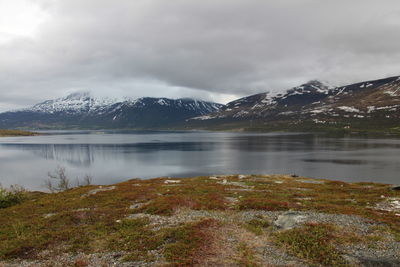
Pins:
x,y
289,220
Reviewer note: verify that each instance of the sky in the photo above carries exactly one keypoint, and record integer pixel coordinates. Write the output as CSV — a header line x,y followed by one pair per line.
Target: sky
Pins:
x,y
212,50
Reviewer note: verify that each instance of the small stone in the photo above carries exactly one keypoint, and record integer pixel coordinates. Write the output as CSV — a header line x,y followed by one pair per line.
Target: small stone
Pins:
x,y
242,176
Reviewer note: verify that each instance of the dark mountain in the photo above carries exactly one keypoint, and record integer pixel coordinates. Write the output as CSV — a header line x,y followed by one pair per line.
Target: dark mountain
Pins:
x,y
80,110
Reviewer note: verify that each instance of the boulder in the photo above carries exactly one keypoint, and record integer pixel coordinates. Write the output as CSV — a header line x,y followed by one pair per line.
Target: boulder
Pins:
x,y
395,187
289,220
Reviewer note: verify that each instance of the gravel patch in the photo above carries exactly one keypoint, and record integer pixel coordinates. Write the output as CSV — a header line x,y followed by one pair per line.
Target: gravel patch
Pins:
x,y
239,184
380,254
184,216
345,221
272,255
97,190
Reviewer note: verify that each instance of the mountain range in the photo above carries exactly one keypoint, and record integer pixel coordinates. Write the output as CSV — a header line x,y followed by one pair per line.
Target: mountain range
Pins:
x,y
82,111
364,106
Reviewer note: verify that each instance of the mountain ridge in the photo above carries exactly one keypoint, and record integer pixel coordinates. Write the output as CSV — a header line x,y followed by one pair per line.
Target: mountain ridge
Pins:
x,y
365,106
81,110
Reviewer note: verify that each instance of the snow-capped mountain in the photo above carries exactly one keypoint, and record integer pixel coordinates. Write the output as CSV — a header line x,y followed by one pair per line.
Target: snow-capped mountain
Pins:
x,y
80,102
81,110
310,106
266,104
366,104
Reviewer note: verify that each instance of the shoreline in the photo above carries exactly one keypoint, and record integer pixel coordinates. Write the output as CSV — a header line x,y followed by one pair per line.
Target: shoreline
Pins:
x,y
335,133
12,133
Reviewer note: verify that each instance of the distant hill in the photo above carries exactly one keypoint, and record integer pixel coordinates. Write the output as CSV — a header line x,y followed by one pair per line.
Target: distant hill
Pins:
x,y
81,110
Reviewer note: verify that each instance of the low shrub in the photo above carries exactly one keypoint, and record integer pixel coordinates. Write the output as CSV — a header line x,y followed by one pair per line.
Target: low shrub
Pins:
x,y
11,196
312,242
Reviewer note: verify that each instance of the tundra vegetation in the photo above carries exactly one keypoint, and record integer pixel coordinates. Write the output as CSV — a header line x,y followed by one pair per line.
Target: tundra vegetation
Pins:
x,y
229,220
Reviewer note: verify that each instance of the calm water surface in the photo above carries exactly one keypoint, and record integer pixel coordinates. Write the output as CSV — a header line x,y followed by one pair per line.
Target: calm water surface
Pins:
x,y
112,157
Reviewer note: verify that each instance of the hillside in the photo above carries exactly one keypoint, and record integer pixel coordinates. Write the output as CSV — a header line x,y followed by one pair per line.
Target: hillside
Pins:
x,y
365,106
226,220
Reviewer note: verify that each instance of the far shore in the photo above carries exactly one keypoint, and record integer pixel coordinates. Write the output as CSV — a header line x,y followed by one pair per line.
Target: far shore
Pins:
x,y
8,133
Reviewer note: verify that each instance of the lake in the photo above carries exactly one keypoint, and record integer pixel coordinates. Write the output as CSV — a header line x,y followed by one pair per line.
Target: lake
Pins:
x,y
112,156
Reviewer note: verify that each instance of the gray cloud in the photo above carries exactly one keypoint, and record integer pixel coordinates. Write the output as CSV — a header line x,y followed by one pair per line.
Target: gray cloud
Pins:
x,y
207,49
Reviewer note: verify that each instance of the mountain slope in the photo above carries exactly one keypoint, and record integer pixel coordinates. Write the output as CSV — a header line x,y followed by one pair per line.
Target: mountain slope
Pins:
x,y
80,110
365,105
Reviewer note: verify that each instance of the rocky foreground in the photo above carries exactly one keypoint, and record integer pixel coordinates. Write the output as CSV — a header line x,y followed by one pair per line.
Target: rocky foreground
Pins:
x,y
232,220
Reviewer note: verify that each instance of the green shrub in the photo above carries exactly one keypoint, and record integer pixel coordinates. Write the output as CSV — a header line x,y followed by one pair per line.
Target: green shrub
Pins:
x,y
11,196
257,226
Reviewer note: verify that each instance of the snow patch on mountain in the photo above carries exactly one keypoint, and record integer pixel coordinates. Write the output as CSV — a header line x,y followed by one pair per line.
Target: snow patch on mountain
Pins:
x,y
349,109
73,103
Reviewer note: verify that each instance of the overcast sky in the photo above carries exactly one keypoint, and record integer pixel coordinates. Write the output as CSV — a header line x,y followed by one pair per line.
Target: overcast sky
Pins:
x,y
210,49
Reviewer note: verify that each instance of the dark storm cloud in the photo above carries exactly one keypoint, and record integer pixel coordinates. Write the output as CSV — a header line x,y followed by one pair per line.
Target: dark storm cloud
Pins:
x,y
202,48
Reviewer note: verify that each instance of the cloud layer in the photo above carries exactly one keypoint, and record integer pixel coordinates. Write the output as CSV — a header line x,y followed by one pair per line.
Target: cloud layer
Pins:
x,y
216,50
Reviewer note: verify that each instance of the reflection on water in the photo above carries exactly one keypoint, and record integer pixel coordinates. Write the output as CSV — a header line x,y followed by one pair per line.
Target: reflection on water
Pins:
x,y
85,154
114,156
338,161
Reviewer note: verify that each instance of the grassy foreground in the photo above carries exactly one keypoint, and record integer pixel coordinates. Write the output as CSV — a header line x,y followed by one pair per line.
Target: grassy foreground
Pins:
x,y
205,221
4,133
